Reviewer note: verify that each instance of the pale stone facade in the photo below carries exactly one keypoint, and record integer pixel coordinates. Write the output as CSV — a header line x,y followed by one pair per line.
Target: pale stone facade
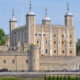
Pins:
x,y
53,40
39,47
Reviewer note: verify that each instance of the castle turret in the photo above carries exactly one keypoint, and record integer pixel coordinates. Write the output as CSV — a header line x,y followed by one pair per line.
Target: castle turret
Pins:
x,y
30,22
13,25
46,20
68,17
34,58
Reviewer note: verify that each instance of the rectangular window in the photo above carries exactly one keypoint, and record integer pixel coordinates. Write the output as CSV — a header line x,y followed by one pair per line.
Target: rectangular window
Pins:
x,y
70,36
35,34
4,61
44,34
39,34
46,50
13,61
54,51
62,36
46,42
54,35
26,61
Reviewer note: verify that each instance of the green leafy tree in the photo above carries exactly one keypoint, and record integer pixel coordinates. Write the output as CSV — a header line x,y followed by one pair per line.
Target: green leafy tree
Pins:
x,y
2,37
78,47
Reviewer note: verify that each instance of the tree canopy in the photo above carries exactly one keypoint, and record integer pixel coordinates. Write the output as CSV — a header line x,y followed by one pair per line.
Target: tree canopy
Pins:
x,y
78,46
2,37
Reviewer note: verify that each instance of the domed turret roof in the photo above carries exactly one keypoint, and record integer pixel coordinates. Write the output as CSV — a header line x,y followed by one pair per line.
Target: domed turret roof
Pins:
x,y
47,18
13,19
68,14
30,13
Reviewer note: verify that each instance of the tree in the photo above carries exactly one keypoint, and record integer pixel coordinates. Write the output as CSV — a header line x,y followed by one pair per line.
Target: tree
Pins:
x,y
2,37
78,47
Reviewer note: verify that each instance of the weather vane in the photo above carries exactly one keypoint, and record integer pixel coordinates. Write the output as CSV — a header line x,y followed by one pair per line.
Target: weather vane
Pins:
x,y
45,11
67,6
12,11
30,5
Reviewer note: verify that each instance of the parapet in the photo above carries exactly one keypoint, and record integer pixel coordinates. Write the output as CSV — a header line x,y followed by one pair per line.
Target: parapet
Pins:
x,y
34,47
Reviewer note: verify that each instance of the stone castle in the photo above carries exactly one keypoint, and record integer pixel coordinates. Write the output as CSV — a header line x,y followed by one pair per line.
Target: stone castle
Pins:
x,y
41,47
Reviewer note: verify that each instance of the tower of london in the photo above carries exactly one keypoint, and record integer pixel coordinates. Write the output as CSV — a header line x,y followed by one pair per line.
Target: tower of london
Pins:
x,y
53,40
41,47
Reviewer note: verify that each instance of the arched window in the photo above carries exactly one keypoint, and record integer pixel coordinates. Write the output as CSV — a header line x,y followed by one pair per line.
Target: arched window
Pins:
x,y
26,61
13,61
54,51
63,51
62,42
46,41
70,42
4,61
37,41
54,42
70,51
46,50
54,35
62,36
70,36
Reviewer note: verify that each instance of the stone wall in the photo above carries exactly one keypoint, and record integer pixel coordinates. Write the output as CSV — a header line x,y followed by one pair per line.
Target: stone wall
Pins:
x,y
14,62
59,63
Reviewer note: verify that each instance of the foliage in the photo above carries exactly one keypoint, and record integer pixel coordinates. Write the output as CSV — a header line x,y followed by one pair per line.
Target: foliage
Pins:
x,y
78,47
9,79
2,37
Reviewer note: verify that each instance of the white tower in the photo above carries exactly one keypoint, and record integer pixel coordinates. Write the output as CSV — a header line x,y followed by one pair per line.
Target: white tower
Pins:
x,y
68,17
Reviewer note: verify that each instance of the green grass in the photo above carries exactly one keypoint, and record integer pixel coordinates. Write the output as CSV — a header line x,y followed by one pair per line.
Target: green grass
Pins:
x,y
48,77
6,78
62,78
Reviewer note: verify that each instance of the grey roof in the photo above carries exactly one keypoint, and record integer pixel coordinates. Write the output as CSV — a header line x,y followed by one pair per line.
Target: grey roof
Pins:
x,y
47,18
30,13
13,19
68,14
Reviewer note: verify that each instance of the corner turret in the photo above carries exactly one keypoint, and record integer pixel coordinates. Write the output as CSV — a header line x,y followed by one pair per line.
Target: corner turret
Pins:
x,y
46,20
68,17
13,25
34,57
30,23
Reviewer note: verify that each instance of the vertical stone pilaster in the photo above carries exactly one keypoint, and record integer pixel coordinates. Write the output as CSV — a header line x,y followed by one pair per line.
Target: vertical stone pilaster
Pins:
x,y
50,41
59,42
67,42
74,44
42,41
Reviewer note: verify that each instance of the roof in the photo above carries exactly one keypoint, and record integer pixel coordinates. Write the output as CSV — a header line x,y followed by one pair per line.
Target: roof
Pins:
x,y
30,13
47,18
13,19
68,14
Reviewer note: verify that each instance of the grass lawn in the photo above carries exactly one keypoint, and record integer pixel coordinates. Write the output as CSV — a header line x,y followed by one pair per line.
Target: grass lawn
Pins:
x,y
48,77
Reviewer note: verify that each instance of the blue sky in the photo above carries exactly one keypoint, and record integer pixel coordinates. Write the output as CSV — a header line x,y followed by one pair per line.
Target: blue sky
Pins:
x,y
56,11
